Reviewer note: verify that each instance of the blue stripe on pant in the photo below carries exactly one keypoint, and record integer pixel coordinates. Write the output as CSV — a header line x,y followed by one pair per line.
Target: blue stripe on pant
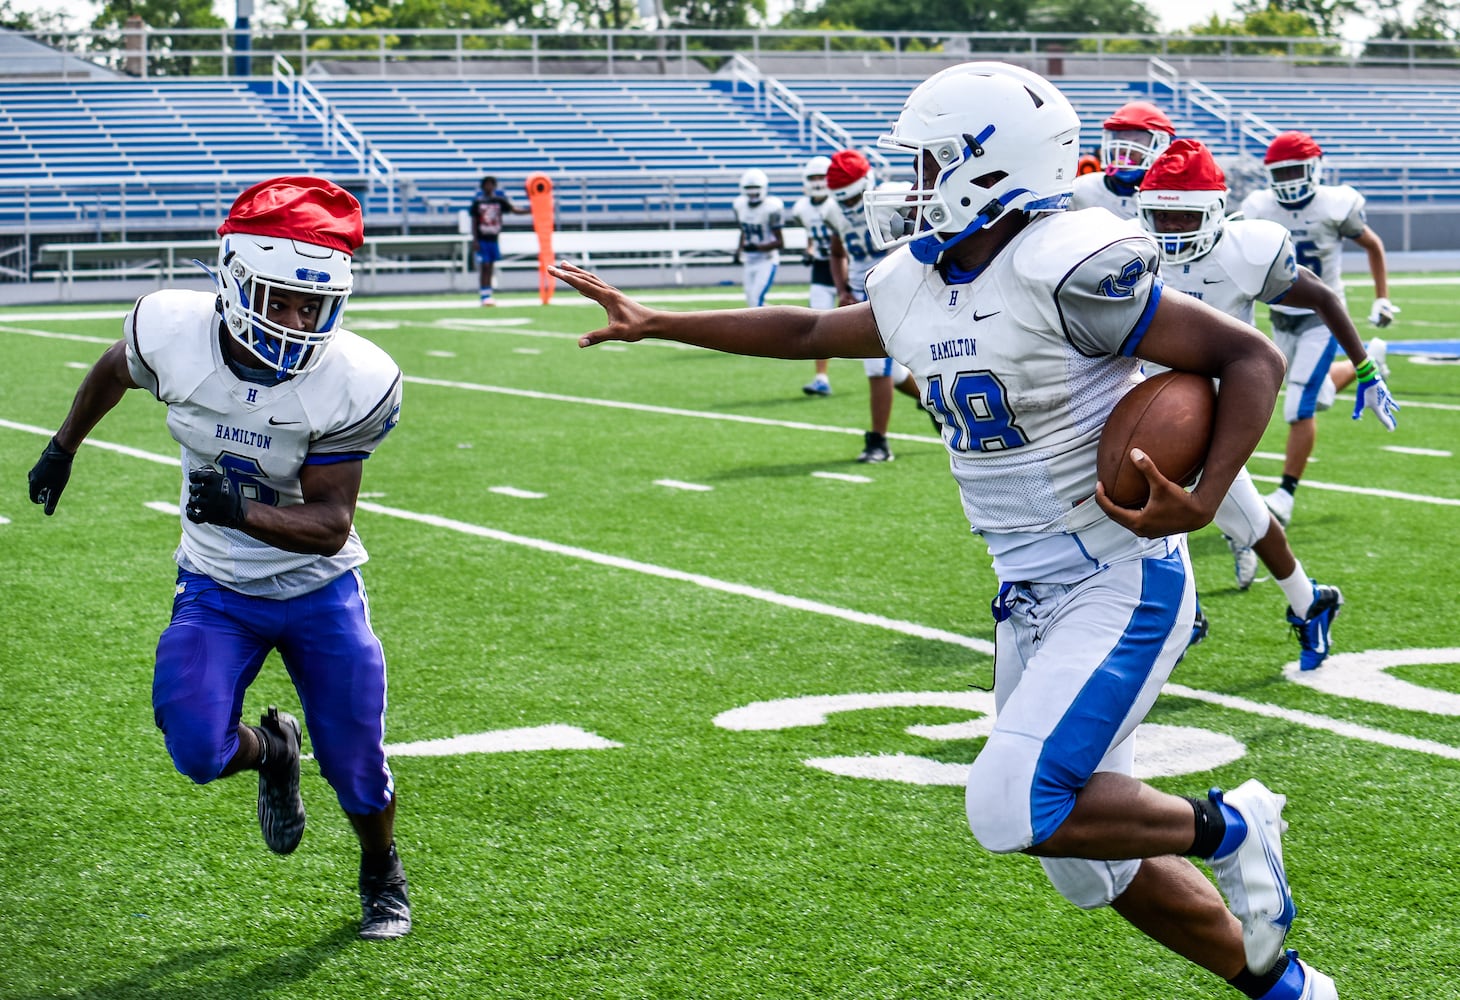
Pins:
x,y
1077,668
1308,401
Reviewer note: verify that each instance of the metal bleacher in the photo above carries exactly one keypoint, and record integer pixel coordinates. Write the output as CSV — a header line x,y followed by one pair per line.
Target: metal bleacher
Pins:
x,y
175,149
170,154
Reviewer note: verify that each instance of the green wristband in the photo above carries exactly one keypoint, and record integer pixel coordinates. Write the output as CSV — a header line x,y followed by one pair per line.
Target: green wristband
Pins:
x,y
1366,371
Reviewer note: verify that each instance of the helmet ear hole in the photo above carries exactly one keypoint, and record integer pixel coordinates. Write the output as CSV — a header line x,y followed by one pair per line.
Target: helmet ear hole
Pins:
x,y
989,179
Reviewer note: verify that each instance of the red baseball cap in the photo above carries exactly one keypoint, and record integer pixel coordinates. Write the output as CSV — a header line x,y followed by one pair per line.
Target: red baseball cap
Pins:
x,y
308,209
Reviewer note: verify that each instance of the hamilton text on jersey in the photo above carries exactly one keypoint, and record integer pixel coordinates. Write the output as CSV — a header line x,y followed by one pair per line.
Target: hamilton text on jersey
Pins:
x,y
957,347
242,435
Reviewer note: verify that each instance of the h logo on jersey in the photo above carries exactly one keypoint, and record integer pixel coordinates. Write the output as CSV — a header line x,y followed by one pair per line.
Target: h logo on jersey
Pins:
x,y
1123,285
952,298
253,395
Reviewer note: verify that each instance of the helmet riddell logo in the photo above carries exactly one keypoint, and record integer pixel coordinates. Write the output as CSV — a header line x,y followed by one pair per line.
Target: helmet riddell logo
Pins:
x,y
309,274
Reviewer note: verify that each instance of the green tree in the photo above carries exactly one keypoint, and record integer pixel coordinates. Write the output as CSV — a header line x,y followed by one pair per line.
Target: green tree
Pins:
x,y
915,15
36,21
1433,21
178,27
1326,16
1116,17
1264,23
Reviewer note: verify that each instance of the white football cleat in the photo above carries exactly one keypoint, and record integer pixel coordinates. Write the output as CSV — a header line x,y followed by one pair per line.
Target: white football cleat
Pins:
x,y
1316,986
1252,876
1280,502
1244,561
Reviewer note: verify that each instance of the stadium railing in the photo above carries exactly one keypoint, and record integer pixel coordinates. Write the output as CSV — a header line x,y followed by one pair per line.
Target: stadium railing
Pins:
x,y
165,261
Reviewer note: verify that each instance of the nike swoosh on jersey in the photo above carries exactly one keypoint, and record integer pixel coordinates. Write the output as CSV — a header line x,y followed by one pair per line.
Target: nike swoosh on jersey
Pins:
x,y
282,423
979,319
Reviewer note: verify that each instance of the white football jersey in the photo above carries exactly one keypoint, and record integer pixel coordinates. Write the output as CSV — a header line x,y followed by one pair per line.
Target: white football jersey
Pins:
x,y
1090,191
1253,260
818,236
1023,364
260,435
1318,229
851,225
758,222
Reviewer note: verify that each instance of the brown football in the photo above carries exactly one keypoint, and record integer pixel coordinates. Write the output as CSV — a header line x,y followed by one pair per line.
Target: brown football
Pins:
x,y
1169,417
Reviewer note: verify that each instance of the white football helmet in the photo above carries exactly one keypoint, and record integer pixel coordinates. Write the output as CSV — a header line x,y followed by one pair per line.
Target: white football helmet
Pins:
x,y
999,138
1178,248
1132,138
1185,178
252,268
753,184
813,177
1299,158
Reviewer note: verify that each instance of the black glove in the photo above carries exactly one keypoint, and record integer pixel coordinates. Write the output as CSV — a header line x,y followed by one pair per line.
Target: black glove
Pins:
x,y
48,477
214,499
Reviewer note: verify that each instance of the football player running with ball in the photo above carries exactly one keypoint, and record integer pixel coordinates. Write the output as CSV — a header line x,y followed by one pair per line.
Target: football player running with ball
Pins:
x,y
1230,266
1026,324
1319,217
276,408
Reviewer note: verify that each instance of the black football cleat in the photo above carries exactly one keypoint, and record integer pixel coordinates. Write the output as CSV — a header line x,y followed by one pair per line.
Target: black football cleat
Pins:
x,y
384,903
281,810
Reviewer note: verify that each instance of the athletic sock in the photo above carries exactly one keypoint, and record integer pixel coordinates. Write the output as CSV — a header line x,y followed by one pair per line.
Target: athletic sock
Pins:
x,y
1211,829
1273,984
1299,591
1290,484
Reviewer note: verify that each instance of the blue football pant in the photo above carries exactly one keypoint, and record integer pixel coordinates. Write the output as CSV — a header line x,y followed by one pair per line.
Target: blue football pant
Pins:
x,y
217,642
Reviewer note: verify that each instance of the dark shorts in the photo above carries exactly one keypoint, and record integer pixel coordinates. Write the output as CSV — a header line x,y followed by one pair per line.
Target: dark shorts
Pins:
x,y
489,251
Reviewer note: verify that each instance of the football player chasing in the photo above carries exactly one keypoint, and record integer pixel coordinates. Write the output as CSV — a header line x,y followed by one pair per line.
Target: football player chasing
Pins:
x,y
849,178
1319,217
1230,265
1026,324
807,211
276,408
1130,141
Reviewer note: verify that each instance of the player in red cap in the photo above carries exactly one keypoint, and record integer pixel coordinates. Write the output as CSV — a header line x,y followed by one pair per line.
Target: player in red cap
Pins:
x,y
1320,217
849,177
276,407
1131,140
1232,265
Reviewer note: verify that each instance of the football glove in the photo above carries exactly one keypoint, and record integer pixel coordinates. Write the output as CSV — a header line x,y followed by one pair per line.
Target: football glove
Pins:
x,y
48,477
214,499
1374,395
1383,312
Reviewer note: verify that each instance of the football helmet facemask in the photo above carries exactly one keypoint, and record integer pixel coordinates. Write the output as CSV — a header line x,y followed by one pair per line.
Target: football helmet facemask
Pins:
x,y
1132,139
1185,178
753,184
813,178
254,269
1299,158
986,138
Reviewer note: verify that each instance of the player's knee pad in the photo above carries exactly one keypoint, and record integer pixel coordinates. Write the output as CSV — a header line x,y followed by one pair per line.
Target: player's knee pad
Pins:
x,y
997,799
195,754
1090,884
1242,516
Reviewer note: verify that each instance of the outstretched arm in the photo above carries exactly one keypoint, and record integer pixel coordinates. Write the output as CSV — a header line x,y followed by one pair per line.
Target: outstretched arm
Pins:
x,y
100,391
770,332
